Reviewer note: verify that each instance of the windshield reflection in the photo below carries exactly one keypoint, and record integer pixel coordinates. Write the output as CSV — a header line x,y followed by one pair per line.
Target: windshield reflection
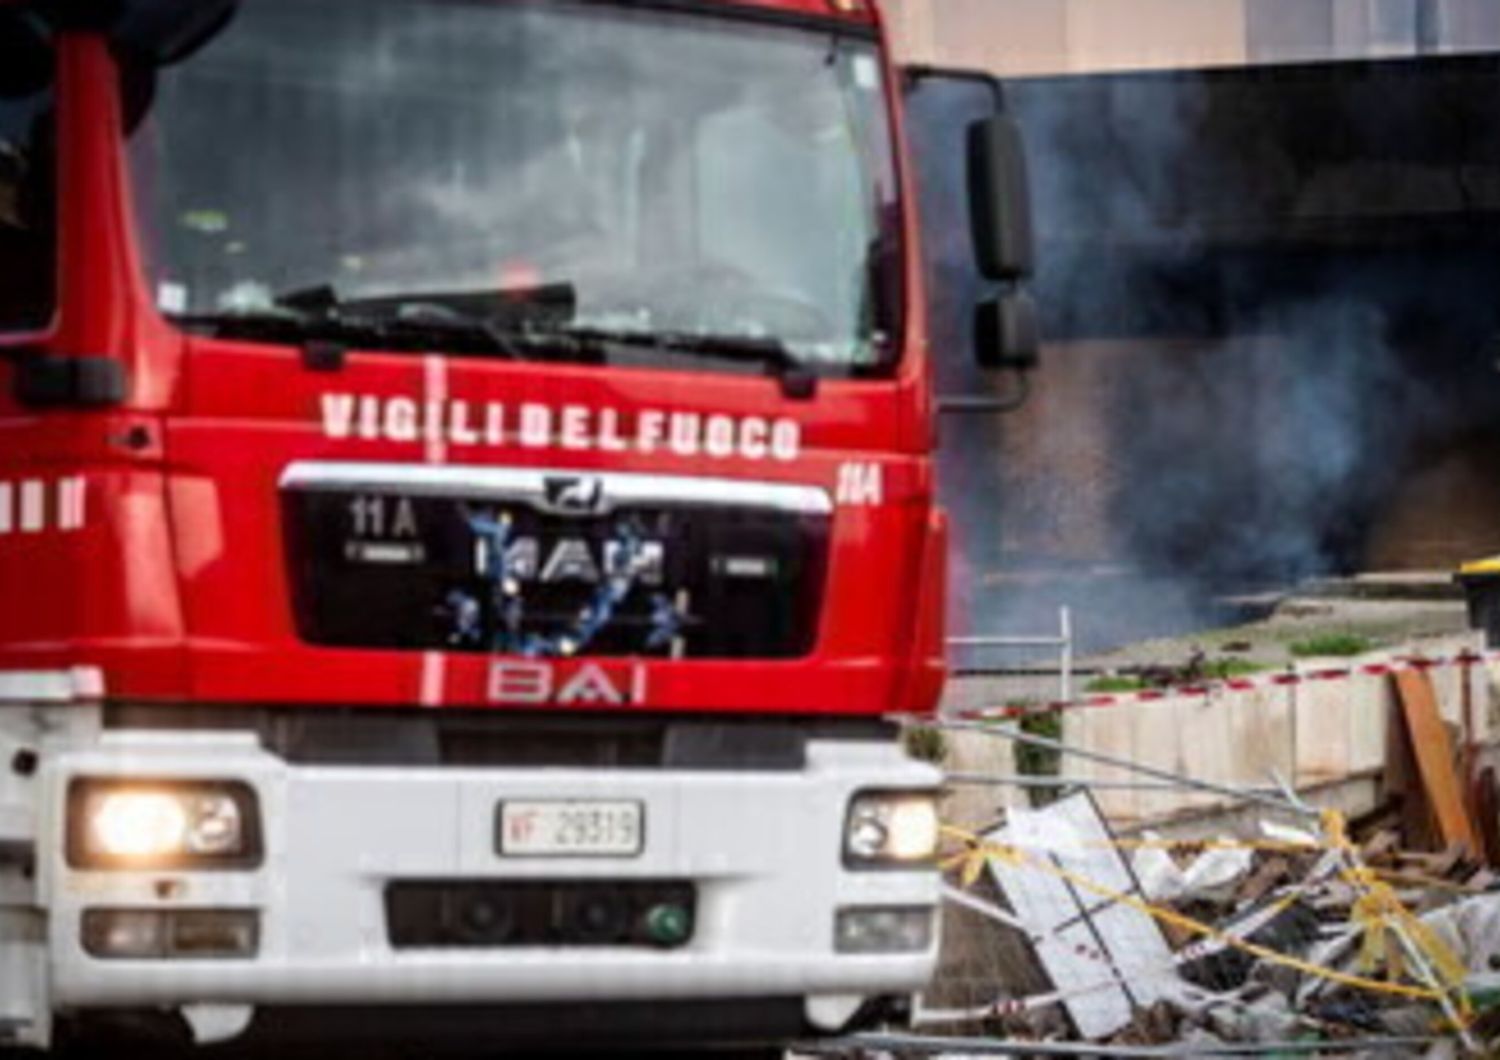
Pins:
x,y
680,175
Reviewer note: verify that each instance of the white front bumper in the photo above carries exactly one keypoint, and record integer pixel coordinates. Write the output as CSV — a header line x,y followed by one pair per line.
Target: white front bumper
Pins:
x,y
763,848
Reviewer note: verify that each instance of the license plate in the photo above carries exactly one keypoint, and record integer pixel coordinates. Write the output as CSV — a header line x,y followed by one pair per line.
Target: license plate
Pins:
x,y
570,829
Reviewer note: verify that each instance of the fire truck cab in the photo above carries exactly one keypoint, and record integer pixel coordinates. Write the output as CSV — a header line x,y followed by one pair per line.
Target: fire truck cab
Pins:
x,y
467,518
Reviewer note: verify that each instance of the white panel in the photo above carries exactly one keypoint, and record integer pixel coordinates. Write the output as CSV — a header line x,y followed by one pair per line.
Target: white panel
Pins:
x,y
1095,858
1139,951
1370,28
1073,961
1041,899
70,494
1087,940
1467,25
33,506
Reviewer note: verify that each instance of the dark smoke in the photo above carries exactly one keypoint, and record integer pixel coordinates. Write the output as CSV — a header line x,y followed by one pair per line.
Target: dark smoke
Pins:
x,y
1270,297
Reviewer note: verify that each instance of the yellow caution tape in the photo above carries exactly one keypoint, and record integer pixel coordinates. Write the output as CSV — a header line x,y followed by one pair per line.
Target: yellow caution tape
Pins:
x,y
1380,913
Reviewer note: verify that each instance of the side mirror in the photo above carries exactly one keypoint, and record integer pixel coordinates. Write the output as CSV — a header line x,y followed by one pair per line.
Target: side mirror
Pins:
x,y
1007,334
25,55
1000,199
972,177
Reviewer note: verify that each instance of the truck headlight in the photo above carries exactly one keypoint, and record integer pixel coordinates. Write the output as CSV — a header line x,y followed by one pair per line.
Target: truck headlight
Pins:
x,y
127,824
891,829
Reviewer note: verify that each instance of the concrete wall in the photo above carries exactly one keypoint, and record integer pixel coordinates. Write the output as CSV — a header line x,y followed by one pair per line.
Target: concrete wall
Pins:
x,y
1024,37
1320,735
1020,37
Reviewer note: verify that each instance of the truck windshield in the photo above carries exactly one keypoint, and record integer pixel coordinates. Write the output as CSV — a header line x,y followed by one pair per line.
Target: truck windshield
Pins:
x,y
540,178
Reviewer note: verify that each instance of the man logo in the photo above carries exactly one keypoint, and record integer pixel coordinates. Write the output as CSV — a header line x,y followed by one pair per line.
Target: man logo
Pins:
x,y
575,494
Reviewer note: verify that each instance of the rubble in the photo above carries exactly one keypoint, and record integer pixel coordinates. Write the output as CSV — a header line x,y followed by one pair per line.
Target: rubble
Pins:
x,y
1290,944
1310,931
1247,921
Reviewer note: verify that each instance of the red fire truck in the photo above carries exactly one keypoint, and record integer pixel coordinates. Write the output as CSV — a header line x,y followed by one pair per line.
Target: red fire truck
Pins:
x,y
466,516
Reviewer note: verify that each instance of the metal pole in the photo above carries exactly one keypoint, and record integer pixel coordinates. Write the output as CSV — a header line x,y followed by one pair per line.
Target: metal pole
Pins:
x,y
1293,709
1001,779
1066,661
1470,756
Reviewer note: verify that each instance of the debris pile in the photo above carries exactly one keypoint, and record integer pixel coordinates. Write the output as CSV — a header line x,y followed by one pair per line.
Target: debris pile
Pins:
x,y
1299,929
1297,934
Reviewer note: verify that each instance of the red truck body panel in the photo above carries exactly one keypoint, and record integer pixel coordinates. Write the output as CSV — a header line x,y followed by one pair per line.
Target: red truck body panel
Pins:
x,y
144,540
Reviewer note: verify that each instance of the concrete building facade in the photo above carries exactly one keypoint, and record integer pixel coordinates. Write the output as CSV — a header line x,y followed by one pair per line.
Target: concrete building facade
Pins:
x,y
1032,37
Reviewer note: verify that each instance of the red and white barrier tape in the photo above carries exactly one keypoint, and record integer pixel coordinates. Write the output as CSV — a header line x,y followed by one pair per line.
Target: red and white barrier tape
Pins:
x,y
1244,683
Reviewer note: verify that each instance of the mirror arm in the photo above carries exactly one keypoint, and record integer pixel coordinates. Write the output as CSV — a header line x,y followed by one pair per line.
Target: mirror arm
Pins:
x,y
919,72
967,405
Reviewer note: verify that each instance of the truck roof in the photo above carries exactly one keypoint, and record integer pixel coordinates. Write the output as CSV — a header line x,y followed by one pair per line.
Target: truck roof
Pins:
x,y
856,10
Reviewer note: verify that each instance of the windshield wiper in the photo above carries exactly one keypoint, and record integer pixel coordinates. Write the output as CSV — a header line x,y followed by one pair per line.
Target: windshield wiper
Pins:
x,y
433,322
317,315
271,323
451,333
402,322
796,378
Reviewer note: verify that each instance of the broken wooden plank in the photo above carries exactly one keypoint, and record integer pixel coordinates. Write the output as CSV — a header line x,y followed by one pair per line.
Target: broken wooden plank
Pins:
x,y
1434,754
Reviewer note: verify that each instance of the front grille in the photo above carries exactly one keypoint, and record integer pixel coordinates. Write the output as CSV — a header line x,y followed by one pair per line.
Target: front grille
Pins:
x,y
488,914
406,565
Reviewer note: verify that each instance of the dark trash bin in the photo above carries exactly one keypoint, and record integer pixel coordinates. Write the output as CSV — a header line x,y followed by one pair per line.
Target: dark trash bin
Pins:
x,y
1481,583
